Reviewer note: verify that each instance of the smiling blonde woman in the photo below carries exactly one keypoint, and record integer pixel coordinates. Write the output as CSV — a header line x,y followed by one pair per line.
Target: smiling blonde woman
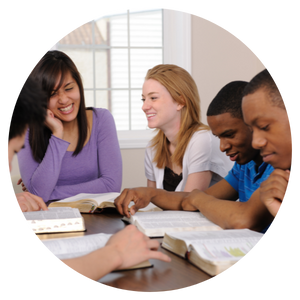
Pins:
x,y
184,155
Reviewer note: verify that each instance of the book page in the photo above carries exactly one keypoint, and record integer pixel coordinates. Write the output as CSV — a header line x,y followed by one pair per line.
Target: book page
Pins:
x,y
230,250
149,207
77,246
105,197
218,246
54,213
173,219
99,198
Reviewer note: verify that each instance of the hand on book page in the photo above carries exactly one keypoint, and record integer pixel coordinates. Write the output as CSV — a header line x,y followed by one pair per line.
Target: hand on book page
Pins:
x,y
97,255
140,196
30,202
133,247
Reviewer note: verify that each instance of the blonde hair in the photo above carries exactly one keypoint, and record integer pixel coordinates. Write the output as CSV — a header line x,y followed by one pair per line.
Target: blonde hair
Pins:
x,y
183,90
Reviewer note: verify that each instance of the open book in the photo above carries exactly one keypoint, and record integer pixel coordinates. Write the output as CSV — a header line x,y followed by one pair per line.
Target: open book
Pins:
x,y
64,219
155,224
66,248
212,251
89,203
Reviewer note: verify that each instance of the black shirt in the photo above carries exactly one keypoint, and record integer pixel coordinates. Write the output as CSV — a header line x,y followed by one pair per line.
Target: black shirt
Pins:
x,y
171,180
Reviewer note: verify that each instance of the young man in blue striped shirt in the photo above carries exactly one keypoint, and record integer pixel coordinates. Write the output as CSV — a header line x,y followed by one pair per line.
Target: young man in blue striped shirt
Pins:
x,y
265,113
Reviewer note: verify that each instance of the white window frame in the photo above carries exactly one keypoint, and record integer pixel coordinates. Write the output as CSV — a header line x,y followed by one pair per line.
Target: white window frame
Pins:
x,y
176,50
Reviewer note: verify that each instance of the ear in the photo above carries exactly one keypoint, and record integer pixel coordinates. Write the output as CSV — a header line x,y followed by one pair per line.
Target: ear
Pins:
x,y
180,106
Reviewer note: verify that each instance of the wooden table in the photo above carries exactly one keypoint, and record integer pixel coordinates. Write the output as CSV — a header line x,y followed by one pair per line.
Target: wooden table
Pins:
x,y
179,273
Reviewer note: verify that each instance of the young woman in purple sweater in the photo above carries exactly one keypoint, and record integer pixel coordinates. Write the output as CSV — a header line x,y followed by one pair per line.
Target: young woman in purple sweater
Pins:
x,y
77,150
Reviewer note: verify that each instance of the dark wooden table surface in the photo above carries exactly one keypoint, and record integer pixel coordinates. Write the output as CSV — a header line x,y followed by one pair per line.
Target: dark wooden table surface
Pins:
x,y
179,273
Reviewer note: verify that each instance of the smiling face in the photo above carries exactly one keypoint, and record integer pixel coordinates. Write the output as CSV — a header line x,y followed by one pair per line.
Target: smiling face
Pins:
x,y
161,110
271,129
235,138
65,102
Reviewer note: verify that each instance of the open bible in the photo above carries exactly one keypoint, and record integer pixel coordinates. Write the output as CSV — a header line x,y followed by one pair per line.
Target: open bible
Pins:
x,y
66,248
157,223
90,203
212,251
58,219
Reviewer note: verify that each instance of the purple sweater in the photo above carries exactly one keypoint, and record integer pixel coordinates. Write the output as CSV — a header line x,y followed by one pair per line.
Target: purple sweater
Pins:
x,y
96,169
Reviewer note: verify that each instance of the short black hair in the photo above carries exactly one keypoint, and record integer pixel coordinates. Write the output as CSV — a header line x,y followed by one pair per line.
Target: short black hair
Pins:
x,y
228,100
264,80
30,108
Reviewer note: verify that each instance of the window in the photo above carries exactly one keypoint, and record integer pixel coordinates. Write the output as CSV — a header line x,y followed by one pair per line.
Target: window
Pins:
x,y
113,54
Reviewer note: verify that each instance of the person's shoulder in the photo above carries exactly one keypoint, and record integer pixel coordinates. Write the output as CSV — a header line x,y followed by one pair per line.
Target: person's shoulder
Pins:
x,y
103,120
101,112
205,132
201,138
149,150
202,134
102,116
238,168
149,145
249,165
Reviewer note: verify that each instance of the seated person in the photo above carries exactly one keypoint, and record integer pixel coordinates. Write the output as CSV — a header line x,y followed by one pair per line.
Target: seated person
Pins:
x,y
183,155
24,115
265,113
218,203
124,249
77,149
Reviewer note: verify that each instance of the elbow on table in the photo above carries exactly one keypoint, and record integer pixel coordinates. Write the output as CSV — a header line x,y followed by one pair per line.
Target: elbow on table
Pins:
x,y
39,194
242,222
35,189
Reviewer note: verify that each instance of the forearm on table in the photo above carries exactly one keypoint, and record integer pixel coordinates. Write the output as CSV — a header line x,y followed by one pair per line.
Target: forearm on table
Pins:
x,y
235,215
225,213
41,178
96,264
167,200
96,186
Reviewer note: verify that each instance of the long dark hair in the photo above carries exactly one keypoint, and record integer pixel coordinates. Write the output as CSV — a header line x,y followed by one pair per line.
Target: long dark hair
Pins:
x,y
30,108
56,64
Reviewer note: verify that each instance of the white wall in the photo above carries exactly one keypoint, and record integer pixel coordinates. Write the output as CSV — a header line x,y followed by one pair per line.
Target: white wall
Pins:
x,y
218,58
133,168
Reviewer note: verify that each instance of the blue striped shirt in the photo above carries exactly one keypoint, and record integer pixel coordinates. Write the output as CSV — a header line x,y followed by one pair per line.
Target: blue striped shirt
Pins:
x,y
245,179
